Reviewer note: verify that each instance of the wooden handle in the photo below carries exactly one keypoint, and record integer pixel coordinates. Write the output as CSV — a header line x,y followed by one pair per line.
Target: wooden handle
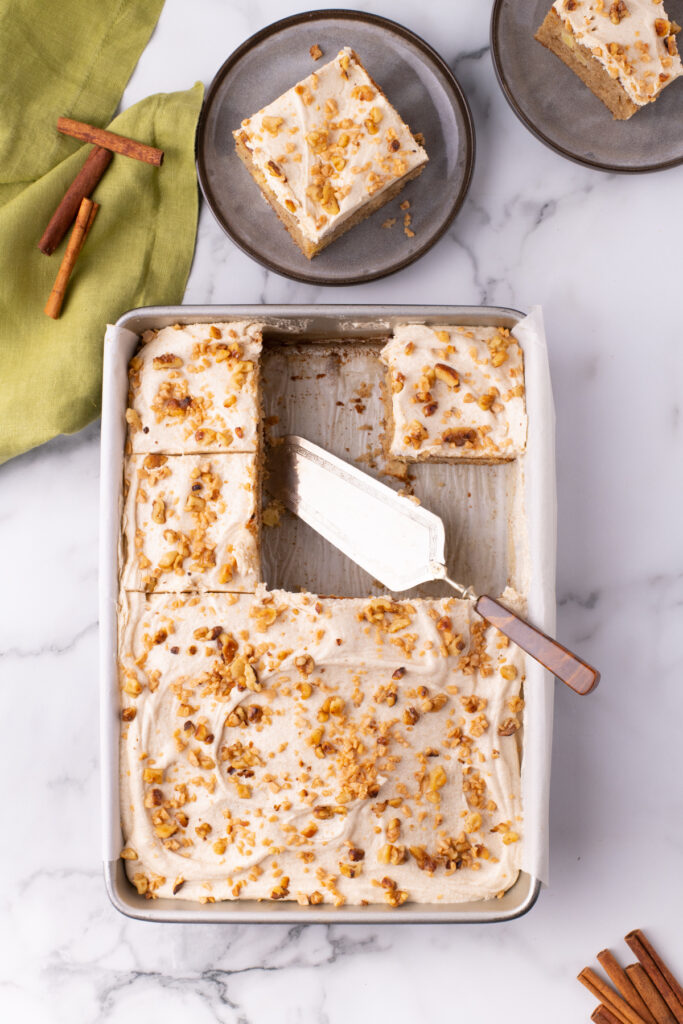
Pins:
x,y
557,659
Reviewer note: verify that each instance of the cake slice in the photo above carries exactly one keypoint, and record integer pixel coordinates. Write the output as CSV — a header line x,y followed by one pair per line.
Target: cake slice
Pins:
x,y
190,523
624,51
195,389
454,392
329,152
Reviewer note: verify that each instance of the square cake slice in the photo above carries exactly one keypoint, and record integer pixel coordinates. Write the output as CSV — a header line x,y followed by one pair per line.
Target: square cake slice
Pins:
x,y
329,152
454,392
190,523
624,51
290,747
195,389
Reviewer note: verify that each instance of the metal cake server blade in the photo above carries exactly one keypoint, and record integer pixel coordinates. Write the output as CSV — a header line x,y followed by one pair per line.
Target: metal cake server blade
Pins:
x,y
399,543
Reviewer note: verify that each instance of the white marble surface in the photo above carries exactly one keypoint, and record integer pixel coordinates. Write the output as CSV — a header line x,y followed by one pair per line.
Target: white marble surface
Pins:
x,y
602,255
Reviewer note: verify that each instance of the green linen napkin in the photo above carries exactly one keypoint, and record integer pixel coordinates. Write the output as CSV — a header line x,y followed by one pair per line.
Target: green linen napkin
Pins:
x,y
140,248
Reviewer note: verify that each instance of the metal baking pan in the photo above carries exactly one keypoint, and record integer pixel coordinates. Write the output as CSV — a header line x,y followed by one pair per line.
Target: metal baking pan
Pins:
x,y
500,523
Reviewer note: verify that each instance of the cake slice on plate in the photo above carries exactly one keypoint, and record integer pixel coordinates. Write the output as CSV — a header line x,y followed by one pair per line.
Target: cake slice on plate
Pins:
x,y
329,152
624,51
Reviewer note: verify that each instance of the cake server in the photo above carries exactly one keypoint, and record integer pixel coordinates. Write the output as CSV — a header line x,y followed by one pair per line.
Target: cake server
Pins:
x,y
398,542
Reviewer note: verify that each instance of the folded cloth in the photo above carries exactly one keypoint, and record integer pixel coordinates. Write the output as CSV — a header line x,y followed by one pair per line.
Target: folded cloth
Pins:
x,y
74,59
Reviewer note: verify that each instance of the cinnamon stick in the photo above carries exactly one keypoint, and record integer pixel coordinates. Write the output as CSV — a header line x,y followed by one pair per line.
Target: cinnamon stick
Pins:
x,y
82,186
84,220
612,1000
603,1015
657,971
650,994
110,140
623,984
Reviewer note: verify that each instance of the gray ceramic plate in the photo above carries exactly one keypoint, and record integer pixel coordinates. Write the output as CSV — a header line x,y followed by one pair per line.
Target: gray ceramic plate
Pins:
x,y
562,112
418,83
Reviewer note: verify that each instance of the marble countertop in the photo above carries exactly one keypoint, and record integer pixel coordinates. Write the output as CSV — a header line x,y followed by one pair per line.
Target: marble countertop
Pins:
x,y
602,254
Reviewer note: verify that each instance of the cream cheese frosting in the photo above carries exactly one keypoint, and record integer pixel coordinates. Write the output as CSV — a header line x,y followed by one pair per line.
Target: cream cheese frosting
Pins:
x,y
455,392
190,522
195,389
633,39
318,749
330,144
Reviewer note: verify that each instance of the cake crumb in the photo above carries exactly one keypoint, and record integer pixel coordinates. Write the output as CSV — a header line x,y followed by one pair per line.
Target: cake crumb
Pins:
x,y
389,222
272,513
405,205
315,52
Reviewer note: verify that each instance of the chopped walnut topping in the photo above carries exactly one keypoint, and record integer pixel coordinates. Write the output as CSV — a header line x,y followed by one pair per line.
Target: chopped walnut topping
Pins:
x,y
394,896
472,822
424,861
447,374
390,854
167,362
393,830
617,11
141,883
272,124
305,664
411,715
437,780
473,703
415,434
435,703
460,437
281,889
323,812
350,870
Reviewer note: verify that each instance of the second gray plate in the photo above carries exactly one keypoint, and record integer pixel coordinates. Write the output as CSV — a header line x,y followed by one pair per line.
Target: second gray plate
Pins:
x,y
418,83
564,114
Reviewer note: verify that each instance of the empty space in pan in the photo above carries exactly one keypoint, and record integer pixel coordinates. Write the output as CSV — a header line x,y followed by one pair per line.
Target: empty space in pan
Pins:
x,y
331,394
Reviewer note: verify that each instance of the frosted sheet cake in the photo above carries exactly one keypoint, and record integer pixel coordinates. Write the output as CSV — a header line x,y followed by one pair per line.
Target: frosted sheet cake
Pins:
x,y
283,746
329,152
195,389
191,521
286,746
454,392
624,50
